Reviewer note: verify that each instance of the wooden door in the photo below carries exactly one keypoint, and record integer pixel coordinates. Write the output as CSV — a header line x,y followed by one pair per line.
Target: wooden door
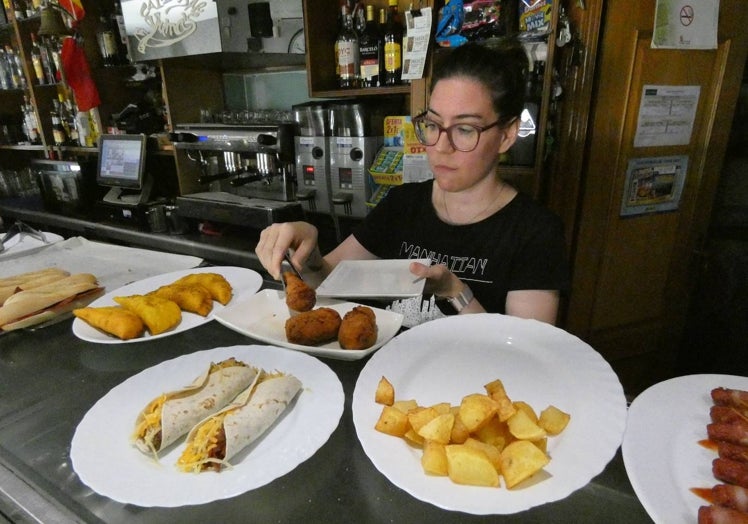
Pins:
x,y
633,276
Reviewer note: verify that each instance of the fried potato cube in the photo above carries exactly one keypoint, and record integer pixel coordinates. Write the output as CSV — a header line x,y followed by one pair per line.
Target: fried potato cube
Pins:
x,y
496,391
541,444
527,408
392,422
413,437
553,420
495,433
385,393
492,452
405,405
476,410
520,460
434,458
442,407
471,466
421,416
522,427
439,429
459,432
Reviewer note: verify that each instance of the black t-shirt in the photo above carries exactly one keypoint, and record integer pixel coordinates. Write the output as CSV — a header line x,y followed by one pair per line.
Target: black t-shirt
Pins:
x,y
521,246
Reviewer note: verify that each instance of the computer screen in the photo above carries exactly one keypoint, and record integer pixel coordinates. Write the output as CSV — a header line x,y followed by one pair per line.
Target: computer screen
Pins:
x,y
121,161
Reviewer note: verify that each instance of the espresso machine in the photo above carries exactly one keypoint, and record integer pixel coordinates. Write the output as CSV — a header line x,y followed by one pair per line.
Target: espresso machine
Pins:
x,y
357,135
242,174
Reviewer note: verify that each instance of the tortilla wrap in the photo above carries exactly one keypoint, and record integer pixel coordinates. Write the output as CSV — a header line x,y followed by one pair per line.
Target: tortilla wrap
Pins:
x,y
242,422
173,414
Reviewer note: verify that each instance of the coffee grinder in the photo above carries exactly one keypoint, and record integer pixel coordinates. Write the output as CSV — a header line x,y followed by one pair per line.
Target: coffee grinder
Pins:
x,y
357,135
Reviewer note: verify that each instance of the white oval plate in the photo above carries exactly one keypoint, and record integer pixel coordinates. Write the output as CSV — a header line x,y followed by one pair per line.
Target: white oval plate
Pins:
x,y
243,281
109,464
263,317
446,359
661,449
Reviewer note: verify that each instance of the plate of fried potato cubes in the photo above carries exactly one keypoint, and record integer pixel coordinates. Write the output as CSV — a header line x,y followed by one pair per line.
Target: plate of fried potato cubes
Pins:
x,y
163,305
488,414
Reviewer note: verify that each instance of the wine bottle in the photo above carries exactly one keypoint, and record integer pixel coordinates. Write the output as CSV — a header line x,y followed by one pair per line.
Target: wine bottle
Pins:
x,y
393,44
371,50
347,52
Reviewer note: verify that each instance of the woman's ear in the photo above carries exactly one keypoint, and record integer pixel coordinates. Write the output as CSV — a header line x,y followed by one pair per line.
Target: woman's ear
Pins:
x,y
511,132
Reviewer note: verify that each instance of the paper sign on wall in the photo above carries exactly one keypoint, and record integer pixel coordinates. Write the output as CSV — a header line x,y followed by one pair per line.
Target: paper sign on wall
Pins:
x,y
666,115
686,24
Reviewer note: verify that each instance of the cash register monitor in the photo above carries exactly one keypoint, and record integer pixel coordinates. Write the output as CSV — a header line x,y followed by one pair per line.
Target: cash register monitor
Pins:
x,y
122,169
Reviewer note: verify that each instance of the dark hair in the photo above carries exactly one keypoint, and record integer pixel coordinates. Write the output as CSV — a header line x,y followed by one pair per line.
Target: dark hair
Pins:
x,y
502,69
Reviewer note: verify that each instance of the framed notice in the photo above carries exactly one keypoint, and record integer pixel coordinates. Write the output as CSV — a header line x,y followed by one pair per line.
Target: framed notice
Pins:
x,y
653,184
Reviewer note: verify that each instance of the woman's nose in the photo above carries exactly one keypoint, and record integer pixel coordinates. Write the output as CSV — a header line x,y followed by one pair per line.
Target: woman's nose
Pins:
x,y
443,145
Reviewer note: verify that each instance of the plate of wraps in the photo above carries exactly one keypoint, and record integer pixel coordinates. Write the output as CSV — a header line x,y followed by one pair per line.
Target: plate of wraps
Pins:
x,y
275,407
241,281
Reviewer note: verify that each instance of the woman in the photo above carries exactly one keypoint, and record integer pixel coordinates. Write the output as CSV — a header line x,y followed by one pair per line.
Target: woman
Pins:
x,y
492,249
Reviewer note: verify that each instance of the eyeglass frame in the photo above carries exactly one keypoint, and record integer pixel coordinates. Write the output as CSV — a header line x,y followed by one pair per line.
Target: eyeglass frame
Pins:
x,y
448,130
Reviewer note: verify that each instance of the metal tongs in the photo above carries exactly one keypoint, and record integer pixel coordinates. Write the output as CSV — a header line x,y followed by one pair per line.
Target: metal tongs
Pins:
x,y
20,228
287,262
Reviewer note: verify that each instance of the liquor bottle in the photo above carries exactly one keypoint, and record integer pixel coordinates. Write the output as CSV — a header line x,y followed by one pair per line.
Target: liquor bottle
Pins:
x,y
107,38
123,44
371,49
30,121
19,9
5,81
36,60
13,61
48,65
393,46
54,49
70,116
523,150
58,132
64,117
347,52
359,18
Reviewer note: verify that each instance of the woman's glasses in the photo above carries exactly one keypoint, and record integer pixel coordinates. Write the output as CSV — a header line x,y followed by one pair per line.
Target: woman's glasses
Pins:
x,y
463,137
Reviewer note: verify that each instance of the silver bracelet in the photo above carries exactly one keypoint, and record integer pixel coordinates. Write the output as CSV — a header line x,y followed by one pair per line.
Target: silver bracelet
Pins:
x,y
462,299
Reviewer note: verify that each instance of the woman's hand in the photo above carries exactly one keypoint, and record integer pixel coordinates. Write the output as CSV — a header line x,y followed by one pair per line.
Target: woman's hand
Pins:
x,y
439,280
277,239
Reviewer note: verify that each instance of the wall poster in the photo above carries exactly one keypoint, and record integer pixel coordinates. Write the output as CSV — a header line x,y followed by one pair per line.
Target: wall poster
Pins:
x,y
653,184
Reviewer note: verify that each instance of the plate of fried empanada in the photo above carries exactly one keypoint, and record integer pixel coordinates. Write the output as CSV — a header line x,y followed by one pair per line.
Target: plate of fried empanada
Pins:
x,y
163,305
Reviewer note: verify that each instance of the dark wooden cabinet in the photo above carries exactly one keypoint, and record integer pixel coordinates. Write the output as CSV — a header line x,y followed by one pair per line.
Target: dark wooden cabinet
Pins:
x,y
320,23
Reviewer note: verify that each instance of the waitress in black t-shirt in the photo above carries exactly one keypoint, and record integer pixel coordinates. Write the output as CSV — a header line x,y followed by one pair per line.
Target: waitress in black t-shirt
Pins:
x,y
492,249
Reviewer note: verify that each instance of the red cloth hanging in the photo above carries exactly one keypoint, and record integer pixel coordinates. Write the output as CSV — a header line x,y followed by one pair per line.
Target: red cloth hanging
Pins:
x,y
75,8
78,74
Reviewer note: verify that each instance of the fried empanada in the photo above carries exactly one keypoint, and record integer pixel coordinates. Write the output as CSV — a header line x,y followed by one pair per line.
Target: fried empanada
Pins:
x,y
218,286
313,327
299,296
158,314
113,320
194,298
358,329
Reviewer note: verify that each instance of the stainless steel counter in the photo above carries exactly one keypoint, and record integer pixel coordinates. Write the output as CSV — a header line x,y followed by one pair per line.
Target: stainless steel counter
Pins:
x,y
236,249
50,379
